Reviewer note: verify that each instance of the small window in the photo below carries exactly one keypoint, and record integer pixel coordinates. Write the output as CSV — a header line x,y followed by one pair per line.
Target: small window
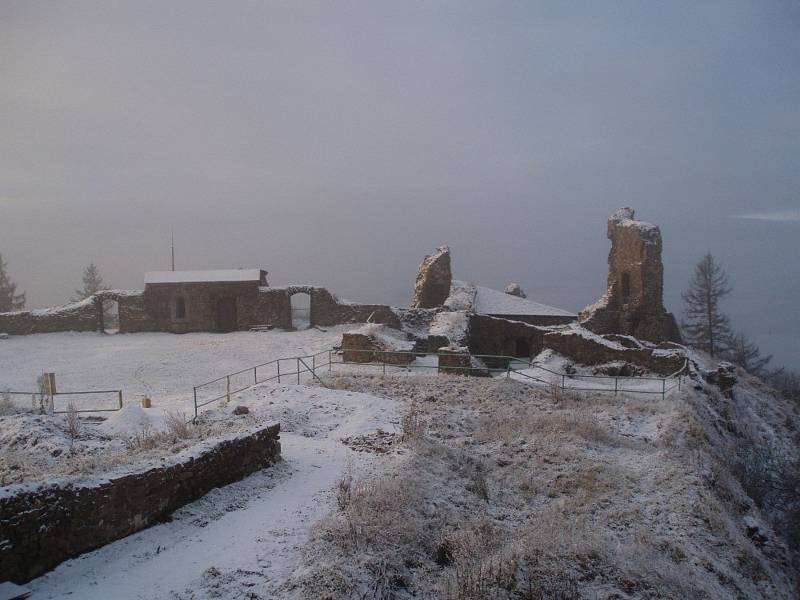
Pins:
x,y
180,307
626,286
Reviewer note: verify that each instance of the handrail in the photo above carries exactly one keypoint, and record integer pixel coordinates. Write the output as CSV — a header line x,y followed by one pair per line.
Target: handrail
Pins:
x,y
507,369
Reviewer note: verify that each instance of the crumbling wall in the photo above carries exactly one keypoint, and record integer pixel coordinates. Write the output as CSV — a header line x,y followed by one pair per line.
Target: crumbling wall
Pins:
x,y
77,316
432,286
327,310
502,337
377,343
43,525
587,348
633,302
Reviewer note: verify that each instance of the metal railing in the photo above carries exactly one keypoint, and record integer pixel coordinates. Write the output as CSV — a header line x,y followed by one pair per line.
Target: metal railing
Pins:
x,y
233,383
115,397
298,366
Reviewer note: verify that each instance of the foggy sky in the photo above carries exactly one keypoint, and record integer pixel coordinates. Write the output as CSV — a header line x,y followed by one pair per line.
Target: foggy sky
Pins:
x,y
337,143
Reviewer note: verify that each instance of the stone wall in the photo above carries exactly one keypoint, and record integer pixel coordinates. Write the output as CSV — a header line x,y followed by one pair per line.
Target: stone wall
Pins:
x,y
327,310
590,349
361,348
201,301
503,337
43,525
78,316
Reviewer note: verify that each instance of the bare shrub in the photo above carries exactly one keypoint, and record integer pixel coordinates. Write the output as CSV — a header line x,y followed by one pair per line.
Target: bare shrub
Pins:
x,y
144,439
344,489
177,425
412,425
6,405
73,423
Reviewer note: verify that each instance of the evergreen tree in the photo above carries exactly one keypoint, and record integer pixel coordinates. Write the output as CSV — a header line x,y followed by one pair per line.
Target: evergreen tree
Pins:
x,y
9,299
92,283
705,326
744,352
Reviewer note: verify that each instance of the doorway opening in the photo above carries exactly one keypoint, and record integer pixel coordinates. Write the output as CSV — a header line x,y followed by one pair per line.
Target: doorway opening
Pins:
x,y
522,348
227,318
110,316
301,310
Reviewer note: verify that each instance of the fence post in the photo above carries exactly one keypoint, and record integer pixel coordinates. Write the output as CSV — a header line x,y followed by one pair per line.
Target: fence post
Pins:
x,y
195,403
313,365
563,382
616,385
330,364
120,398
228,388
680,379
279,370
255,374
383,360
508,370
298,371
663,388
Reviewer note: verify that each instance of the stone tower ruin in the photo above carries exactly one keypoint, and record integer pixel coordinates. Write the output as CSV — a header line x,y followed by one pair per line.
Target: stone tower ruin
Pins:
x,y
432,286
633,302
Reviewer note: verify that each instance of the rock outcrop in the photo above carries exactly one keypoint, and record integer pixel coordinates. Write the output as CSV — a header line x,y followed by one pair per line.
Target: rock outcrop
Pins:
x,y
433,280
633,302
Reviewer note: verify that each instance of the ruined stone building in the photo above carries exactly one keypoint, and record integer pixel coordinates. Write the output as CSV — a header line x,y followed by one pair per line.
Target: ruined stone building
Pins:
x,y
187,301
633,301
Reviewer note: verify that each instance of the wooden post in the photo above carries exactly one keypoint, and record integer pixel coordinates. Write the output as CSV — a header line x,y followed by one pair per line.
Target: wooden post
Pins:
x,y
228,389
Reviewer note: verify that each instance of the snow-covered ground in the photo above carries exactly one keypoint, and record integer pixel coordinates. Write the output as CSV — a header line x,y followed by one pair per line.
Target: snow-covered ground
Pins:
x,y
248,533
163,366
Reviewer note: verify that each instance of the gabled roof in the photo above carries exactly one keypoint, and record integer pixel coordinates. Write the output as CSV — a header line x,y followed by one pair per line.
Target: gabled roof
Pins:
x,y
215,276
493,302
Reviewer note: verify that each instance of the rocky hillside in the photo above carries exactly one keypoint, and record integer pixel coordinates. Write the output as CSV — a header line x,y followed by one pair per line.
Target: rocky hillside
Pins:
x,y
501,490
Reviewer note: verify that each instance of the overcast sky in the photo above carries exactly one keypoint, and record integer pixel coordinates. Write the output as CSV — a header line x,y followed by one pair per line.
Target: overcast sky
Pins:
x,y
336,143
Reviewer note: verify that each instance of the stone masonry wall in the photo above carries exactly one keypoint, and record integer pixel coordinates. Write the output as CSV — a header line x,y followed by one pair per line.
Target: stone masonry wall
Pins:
x,y
78,316
633,301
45,524
594,350
499,337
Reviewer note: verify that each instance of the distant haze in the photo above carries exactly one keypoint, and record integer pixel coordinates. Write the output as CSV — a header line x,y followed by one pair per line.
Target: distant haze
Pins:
x,y
338,142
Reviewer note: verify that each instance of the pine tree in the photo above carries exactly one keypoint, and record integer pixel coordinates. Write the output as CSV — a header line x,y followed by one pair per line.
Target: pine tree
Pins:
x,y
745,353
705,326
9,299
92,283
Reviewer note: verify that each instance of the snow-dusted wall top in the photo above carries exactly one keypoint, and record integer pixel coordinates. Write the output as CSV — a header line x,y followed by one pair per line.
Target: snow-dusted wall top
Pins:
x,y
493,302
216,276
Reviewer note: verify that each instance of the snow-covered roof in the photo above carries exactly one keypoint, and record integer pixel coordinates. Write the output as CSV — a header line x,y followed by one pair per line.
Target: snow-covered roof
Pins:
x,y
494,302
216,276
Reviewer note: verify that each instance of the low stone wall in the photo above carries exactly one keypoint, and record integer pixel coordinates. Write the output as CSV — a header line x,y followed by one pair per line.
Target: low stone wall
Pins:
x,y
361,348
42,525
327,310
78,316
590,349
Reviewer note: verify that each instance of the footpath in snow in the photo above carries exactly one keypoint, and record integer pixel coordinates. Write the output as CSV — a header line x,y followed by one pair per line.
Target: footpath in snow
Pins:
x,y
245,537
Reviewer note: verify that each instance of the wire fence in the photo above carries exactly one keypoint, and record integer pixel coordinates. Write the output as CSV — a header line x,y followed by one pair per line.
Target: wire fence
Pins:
x,y
299,368
83,401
